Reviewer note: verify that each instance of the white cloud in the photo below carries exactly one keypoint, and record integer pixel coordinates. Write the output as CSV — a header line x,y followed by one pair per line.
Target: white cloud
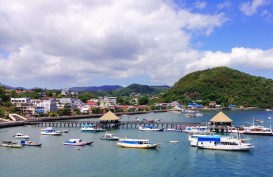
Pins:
x,y
250,8
254,59
80,41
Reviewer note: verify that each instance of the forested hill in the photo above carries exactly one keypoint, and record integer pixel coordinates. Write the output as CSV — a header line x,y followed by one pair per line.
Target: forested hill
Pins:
x,y
223,85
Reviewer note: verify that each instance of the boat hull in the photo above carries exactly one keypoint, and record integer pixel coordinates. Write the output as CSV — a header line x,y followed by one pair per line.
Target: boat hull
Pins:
x,y
139,146
226,148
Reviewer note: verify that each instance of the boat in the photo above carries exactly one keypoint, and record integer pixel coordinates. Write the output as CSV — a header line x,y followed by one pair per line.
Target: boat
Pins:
x,y
20,136
217,143
269,118
137,143
10,144
268,110
75,142
64,131
259,130
196,129
30,143
51,131
150,128
172,130
92,128
109,136
259,121
174,141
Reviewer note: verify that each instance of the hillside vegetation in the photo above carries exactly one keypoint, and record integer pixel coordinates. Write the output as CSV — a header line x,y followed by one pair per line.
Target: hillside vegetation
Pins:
x,y
223,85
135,89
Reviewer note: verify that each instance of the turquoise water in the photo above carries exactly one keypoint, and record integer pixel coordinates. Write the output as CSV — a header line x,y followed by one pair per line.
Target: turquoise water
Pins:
x,y
104,158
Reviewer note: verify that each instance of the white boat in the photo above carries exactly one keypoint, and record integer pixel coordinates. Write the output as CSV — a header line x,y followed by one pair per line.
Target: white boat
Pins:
x,y
74,142
259,130
109,136
136,143
10,144
92,128
20,136
193,138
268,110
150,128
172,130
51,131
216,143
196,129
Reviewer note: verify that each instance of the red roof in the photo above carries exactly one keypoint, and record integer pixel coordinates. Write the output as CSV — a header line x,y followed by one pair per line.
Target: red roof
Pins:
x,y
92,103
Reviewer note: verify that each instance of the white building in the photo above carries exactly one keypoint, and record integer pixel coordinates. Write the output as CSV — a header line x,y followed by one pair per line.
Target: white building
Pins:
x,y
19,100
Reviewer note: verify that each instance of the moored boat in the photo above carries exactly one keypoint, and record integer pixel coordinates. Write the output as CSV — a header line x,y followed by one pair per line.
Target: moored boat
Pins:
x,y
172,130
75,142
10,144
109,136
30,143
216,143
20,136
92,128
150,128
51,131
136,143
196,129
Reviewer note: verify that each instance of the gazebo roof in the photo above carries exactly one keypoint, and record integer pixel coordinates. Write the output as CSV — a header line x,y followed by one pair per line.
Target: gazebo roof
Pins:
x,y
221,117
109,116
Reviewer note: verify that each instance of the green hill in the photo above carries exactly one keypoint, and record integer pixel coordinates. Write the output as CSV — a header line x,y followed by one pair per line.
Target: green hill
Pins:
x,y
135,89
223,85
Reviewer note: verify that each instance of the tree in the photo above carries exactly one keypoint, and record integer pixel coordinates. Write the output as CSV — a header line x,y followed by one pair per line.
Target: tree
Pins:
x,y
143,100
64,112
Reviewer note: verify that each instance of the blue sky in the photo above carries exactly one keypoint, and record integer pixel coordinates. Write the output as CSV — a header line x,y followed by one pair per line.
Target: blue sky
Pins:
x,y
71,43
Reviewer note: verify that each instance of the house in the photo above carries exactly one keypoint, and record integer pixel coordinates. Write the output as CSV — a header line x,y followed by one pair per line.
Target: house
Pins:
x,y
212,104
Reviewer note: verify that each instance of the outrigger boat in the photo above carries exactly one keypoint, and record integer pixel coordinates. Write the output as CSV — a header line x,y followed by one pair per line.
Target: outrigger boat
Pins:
x,y
136,143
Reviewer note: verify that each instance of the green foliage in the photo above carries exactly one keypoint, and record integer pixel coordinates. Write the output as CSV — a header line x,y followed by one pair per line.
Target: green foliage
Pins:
x,y
86,96
64,112
2,113
135,89
223,85
143,100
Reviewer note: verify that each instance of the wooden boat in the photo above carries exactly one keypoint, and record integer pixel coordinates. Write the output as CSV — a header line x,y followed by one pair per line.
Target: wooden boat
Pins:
x,y
30,143
137,143
10,144
109,136
20,136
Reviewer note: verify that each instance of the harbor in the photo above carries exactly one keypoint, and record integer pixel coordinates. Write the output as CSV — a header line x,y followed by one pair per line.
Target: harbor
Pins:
x,y
167,159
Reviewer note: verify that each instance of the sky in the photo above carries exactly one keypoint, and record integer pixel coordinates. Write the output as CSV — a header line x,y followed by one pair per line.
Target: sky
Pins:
x,y
73,43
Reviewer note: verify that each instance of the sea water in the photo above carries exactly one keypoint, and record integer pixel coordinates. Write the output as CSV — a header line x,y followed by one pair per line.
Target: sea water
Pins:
x,y
104,158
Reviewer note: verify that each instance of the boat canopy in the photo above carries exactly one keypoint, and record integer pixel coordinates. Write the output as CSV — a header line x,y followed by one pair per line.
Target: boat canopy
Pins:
x,y
209,138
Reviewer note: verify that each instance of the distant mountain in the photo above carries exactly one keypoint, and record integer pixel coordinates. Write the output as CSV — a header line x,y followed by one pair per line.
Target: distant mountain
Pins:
x,y
105,88
12,88
134,89
223,85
